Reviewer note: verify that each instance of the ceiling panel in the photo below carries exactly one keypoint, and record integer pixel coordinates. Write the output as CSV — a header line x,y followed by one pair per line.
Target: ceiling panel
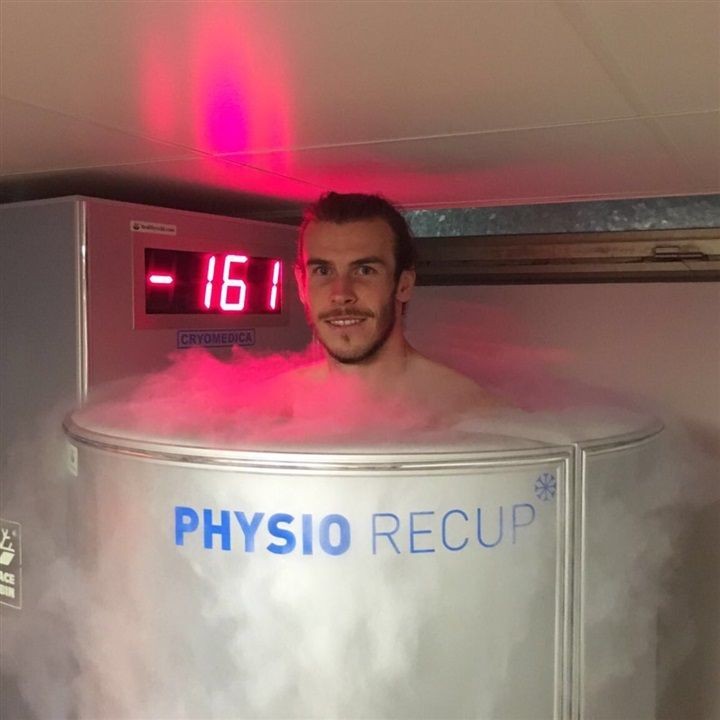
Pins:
x,y
697,139
156,69
36,140
612,159
393,70
434,103
232,76
668,53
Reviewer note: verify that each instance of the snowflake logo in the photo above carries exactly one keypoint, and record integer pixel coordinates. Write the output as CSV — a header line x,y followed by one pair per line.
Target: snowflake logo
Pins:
x,y
545,487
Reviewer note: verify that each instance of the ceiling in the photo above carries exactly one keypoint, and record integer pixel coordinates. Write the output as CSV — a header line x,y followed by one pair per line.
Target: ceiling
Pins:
x,y
250,107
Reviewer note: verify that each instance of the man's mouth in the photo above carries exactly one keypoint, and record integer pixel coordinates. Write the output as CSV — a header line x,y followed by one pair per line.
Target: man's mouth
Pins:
x,y
343,322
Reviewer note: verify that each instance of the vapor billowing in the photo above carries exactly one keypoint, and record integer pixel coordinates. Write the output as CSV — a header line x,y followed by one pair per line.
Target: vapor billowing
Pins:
x,y
248,400
254,402
126,618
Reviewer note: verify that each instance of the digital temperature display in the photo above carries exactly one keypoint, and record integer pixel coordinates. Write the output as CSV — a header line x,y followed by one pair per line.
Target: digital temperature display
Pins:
x,y
182,282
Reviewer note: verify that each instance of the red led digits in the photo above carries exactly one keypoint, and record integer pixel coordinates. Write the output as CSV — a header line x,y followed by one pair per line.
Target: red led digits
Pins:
x,y
229,282
209,284
274,290
160,279
185,282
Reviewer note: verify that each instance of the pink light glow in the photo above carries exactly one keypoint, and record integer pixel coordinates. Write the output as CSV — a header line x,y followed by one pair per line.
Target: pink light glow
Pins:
x,y
240,94
158,89
227,90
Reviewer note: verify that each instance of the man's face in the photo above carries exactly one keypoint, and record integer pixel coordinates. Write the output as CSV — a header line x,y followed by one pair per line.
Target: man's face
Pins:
x,y
347,284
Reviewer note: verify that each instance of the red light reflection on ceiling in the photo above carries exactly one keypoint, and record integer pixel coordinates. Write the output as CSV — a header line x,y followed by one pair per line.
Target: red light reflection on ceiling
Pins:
x,y
160,100
239,95
227,93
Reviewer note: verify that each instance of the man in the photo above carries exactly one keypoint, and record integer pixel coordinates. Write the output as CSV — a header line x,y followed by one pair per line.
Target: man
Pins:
x,y
356,273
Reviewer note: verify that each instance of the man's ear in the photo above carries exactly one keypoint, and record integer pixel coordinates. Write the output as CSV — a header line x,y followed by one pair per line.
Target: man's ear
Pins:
x,y
405,285
300,281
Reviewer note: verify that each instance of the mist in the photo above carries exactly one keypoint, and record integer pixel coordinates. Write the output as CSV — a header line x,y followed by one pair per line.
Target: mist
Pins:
x,y
441,598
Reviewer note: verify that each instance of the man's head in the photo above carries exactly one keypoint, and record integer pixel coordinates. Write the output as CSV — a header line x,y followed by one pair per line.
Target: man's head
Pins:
x,y
355,271
340,208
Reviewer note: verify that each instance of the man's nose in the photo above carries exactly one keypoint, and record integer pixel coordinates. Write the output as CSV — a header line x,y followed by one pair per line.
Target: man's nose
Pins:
x,y
343,292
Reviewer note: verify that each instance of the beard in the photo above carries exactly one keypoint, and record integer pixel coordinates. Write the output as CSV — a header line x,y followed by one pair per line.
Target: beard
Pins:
x,y
386,319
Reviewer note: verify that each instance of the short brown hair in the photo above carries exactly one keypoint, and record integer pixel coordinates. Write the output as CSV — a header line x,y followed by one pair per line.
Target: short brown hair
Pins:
x,y
343,208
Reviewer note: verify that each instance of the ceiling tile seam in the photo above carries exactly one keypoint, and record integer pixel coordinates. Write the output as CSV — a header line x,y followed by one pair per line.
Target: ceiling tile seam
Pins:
x,y
268,172
194,152
111,166
98,166
575,15
103,126
193,155
464,134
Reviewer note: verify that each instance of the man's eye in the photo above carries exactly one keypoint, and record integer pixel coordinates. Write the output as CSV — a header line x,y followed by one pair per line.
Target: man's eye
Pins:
x,y
366,270
320,270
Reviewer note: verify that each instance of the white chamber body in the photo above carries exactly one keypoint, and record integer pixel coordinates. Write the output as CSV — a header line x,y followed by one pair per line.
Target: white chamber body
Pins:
x,y
488,580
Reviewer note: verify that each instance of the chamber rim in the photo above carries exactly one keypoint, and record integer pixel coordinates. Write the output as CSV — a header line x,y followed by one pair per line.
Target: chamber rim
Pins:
x,y
335,458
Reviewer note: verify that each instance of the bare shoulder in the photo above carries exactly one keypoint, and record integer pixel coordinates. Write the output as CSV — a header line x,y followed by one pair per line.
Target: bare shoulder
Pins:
x,y
312,372
449,386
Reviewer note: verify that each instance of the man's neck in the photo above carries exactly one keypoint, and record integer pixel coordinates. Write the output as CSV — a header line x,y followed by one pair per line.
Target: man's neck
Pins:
x,y
385,366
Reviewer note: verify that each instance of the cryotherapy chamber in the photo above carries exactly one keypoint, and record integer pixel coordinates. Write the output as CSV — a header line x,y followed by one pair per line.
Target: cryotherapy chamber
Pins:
x,y
459,577
470,579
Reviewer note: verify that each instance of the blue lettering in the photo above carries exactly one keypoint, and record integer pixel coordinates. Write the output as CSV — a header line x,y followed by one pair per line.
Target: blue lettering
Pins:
x,y
414,532
343,531
186,520
454,548
249,528
387,534
334,535
307,546
280,533
516,523
222,529
500,528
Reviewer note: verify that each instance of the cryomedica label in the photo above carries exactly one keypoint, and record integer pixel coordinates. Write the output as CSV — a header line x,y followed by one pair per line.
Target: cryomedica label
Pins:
x,y
215,338
415,532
